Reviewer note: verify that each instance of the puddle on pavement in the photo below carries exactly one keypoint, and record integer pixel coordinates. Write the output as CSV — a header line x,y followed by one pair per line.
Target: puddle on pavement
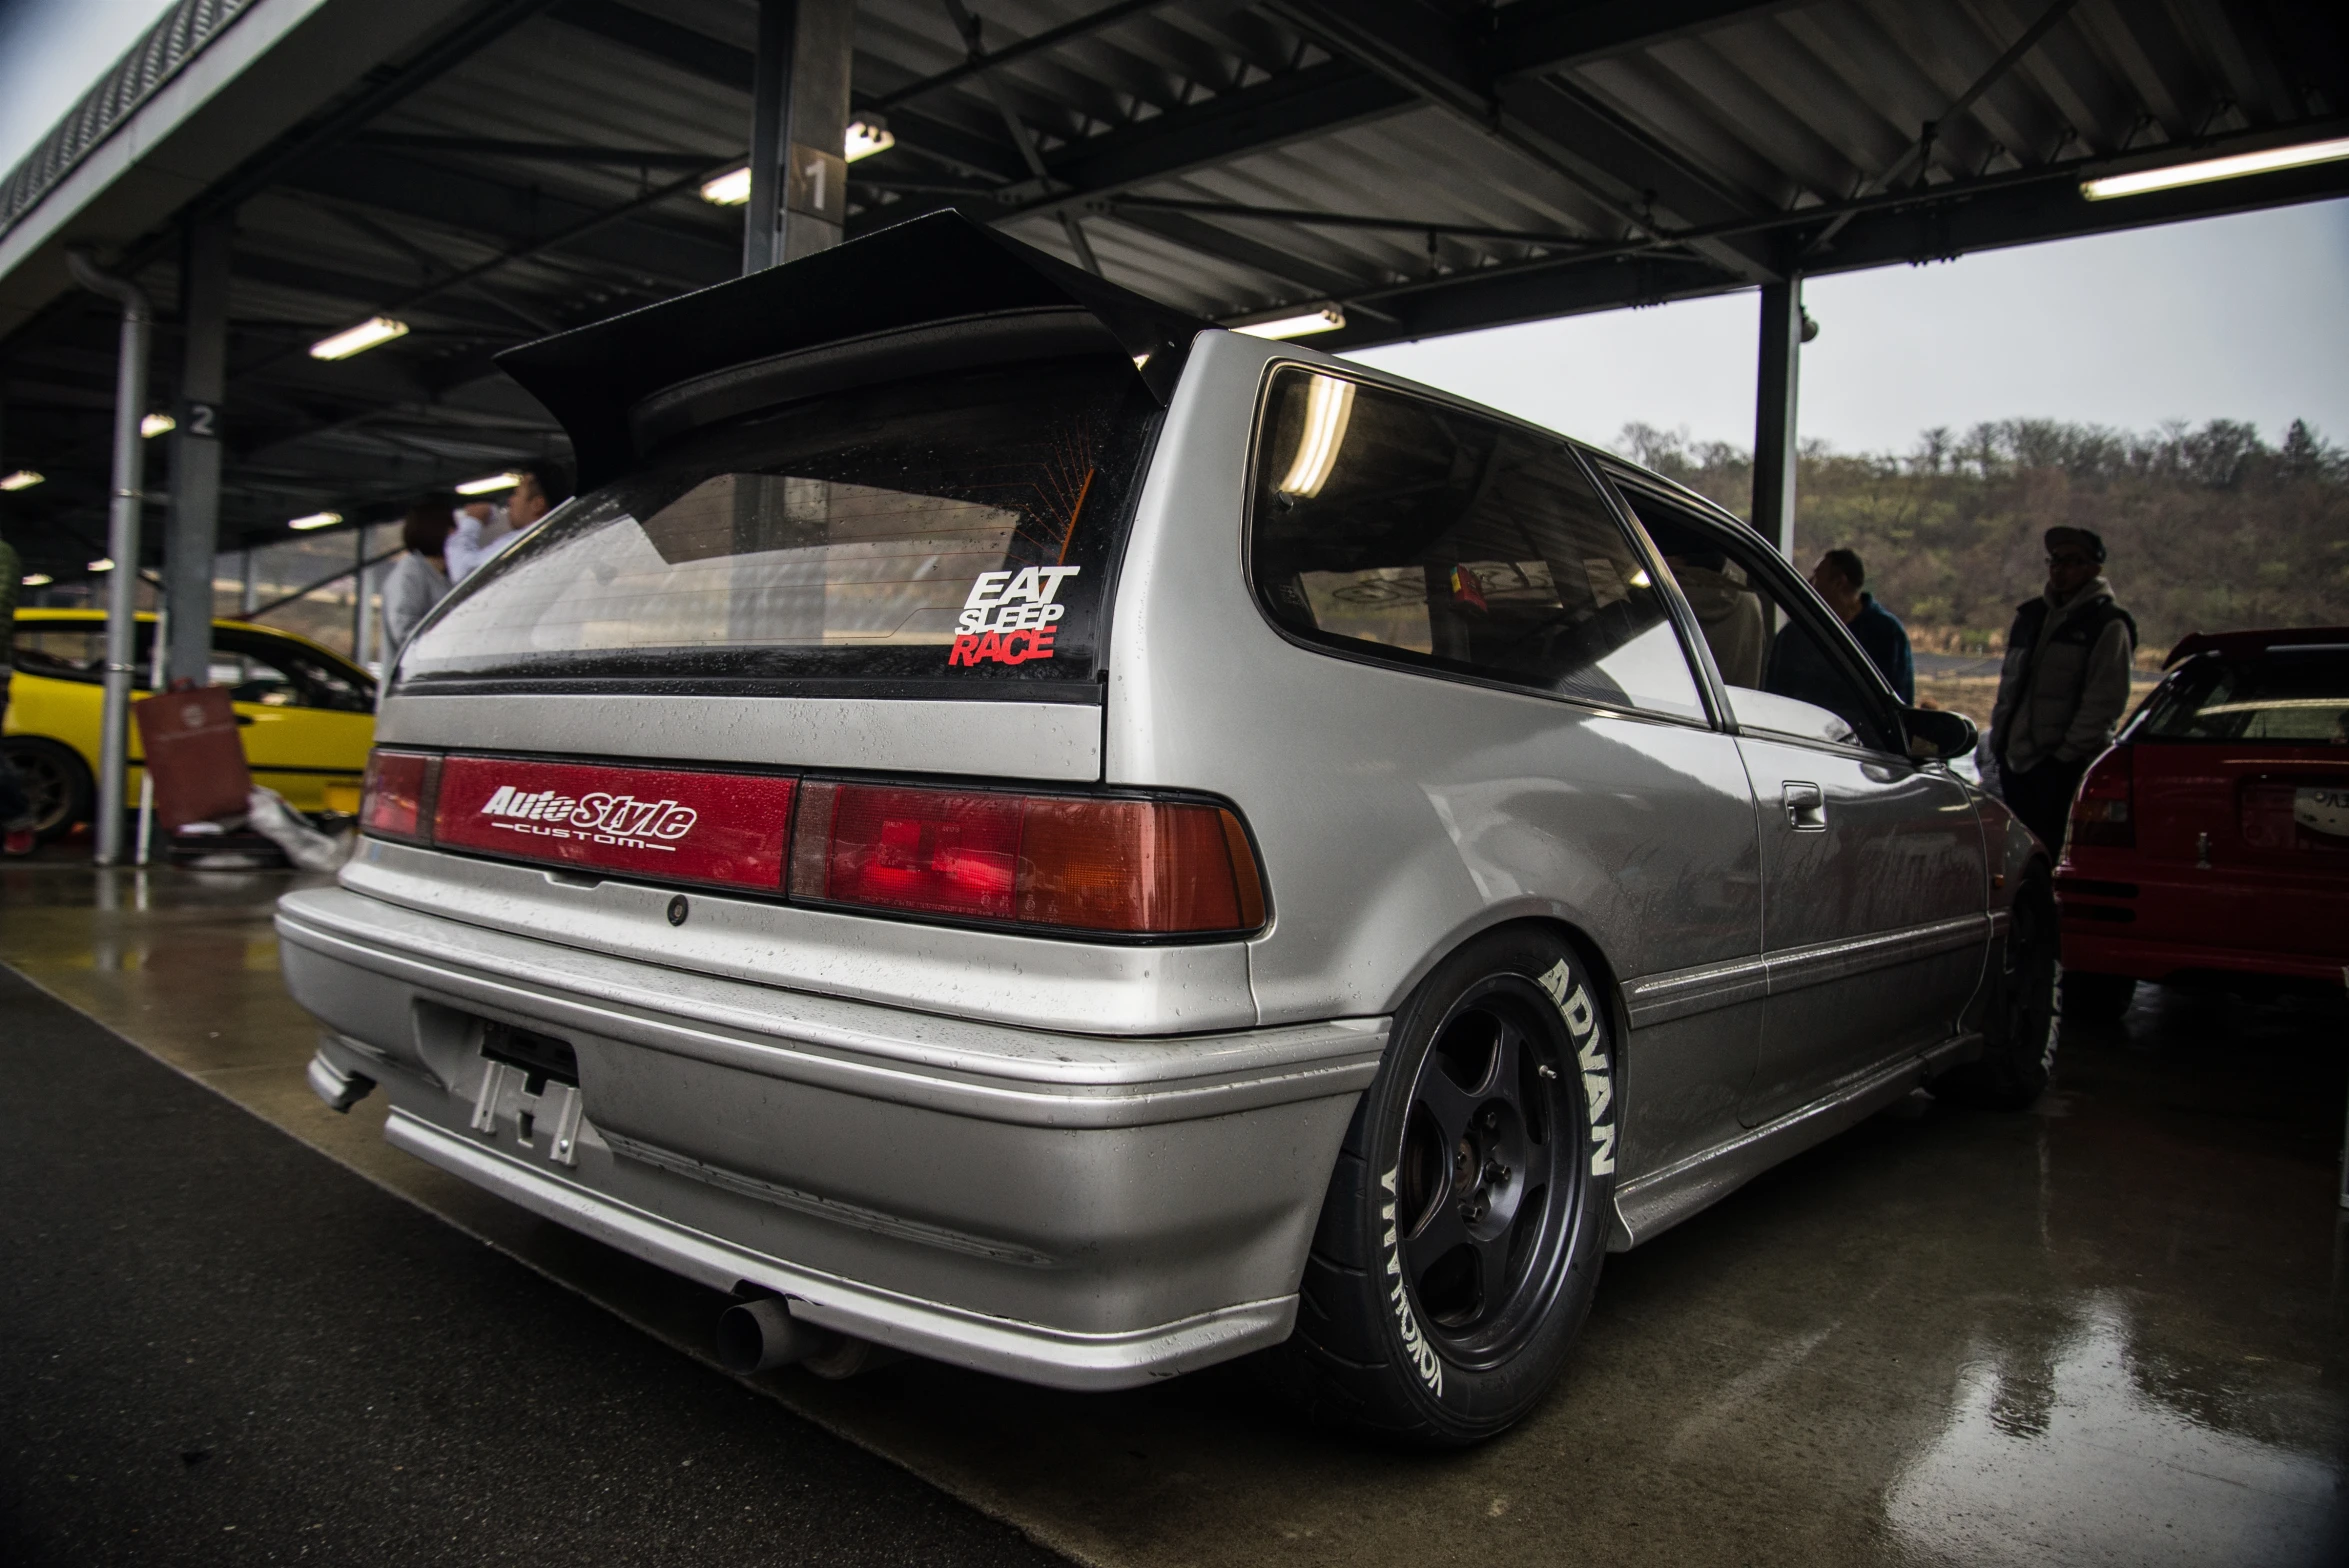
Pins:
x,y
2085,1461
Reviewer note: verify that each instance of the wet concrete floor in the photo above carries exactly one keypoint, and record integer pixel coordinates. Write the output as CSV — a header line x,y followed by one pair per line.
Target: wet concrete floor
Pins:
x,y
2112,1330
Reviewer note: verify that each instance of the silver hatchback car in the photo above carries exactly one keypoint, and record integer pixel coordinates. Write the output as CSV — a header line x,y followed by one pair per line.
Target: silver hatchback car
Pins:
x,y
1009,824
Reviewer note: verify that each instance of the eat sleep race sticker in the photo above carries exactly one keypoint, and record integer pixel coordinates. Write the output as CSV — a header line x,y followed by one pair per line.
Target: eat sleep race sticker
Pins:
x,y
1010,617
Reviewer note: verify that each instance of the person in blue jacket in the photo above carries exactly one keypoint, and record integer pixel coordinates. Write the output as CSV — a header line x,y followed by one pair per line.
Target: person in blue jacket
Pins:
x,y
1842,582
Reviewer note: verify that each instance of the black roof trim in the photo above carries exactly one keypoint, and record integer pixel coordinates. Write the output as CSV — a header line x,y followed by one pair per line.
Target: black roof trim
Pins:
x,y
931,271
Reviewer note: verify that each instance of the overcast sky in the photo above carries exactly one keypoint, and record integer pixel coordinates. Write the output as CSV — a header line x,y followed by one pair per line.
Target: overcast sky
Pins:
x,y
2230,318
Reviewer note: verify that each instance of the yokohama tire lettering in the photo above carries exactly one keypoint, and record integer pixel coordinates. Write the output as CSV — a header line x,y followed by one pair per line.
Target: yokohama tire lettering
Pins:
x,y
1415,1345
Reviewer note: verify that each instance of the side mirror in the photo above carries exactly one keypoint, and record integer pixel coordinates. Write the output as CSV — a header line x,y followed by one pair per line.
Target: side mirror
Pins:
x,y
1936,734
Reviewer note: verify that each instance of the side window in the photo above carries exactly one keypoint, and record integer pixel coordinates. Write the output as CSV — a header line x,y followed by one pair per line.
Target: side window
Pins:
x,y
279,676
76,651
1782,672
1396,528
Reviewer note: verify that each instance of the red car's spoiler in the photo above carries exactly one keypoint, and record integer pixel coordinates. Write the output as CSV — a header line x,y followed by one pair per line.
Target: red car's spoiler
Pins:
x,y
2240,643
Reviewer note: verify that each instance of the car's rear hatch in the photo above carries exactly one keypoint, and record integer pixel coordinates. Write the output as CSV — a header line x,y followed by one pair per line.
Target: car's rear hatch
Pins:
x,y
2240,777
852,524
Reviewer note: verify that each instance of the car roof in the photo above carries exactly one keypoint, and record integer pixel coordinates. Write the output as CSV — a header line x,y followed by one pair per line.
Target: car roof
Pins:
x,y
2254,643
68,613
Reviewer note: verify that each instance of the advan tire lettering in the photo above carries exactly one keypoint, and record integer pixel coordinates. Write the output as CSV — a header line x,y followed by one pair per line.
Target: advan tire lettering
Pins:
x,y
1598,1082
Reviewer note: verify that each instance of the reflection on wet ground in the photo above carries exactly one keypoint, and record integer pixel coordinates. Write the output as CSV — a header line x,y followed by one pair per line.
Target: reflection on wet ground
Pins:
x,y
2111,1330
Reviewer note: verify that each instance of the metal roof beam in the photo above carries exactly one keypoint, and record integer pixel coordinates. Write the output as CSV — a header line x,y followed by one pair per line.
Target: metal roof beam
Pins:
x,y
1316,101
1642,186
1277,261
988,59
1531,36
506,215
716,61
538,152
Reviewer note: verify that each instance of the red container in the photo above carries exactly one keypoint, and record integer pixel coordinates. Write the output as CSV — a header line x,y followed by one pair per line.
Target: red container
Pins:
x,y
189,741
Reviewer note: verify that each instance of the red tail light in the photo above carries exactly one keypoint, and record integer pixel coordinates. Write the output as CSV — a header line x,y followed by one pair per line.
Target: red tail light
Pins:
x,y
2102,817
1133,866
395,801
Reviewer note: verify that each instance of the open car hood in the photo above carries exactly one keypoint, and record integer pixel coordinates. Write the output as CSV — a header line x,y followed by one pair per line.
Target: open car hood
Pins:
x,y
935,294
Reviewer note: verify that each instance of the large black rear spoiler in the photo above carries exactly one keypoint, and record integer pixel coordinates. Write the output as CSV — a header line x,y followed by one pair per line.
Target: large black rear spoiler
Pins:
x,y
935,294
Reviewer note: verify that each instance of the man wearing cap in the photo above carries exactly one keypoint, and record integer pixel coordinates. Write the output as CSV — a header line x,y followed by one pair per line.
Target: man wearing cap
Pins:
x,y
2064,685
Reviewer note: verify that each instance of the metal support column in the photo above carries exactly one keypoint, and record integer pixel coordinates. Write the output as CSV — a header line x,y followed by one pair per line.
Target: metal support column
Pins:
x,y
363,610
194,530
122,546
799,124
1775,401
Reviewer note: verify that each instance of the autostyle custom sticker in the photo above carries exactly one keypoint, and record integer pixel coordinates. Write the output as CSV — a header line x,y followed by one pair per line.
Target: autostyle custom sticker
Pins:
x,y
1415,1345
1010,617
674,824
1598,1083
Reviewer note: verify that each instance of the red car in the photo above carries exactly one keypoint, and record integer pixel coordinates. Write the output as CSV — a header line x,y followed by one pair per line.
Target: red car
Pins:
x,y
2212,840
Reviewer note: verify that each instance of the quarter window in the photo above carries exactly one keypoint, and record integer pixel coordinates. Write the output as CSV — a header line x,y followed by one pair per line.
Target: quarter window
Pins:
x,y
1400,529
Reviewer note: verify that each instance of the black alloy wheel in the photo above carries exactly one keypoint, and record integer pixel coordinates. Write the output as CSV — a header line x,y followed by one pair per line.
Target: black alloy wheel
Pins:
x,y
1466,1218
1482,1158
57,786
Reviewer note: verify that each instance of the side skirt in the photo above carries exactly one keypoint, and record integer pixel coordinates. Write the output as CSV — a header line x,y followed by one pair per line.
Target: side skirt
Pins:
x,y
1647,1206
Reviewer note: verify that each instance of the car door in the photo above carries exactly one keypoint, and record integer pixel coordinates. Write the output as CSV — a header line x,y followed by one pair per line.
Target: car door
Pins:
x,y
1502,657
306,720
1874,882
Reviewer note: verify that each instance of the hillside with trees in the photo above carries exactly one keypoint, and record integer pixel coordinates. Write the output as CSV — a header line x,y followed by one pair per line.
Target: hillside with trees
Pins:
x,y
2209,529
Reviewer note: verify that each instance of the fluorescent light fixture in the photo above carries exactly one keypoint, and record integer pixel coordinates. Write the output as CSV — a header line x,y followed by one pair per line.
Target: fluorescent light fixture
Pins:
x,y
1329,404
104,563
359,339
157,425
22,479
728,190
865,138
2209,169
315,520
37,580
1327,319
489,484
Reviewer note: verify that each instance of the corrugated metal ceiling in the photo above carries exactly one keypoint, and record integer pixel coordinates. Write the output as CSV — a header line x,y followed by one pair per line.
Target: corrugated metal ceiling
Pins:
x,y
1428,167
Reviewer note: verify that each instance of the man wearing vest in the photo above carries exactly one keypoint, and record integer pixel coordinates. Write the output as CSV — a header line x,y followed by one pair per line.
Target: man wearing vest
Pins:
x,y
2064,685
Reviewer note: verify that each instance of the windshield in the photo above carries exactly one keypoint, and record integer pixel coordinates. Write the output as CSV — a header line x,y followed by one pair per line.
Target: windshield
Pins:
x,y
957,531
2293,696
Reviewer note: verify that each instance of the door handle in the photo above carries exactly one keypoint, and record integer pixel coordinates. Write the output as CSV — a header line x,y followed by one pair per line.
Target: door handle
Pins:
x,y
1806,806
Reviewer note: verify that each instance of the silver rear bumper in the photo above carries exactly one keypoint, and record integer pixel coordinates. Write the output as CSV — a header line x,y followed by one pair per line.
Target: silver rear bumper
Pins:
x,y
1080,1211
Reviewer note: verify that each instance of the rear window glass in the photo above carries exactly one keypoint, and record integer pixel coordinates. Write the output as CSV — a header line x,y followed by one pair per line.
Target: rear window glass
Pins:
x,y
2294,697
1402,529
956,530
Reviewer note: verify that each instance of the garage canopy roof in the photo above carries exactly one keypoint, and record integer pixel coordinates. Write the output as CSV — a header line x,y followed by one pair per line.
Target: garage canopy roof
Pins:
x,y
494,171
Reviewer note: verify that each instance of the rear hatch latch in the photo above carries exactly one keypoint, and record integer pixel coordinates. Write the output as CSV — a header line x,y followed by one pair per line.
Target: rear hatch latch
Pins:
x,y
531,1083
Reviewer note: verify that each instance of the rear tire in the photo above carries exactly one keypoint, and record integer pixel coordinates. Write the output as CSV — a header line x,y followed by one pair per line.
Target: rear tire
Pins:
x,y
1461,1238
56,783
2097,999
2018,1057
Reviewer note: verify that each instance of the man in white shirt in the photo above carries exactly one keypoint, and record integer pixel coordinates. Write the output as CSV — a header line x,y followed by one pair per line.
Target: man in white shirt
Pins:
x,y
538,490
479,525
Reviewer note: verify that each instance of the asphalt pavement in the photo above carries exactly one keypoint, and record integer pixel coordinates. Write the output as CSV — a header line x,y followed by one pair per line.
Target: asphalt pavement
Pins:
x,y
219,1346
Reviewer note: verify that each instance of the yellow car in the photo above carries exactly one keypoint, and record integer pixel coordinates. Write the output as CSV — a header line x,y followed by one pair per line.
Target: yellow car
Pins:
x,y
308,714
